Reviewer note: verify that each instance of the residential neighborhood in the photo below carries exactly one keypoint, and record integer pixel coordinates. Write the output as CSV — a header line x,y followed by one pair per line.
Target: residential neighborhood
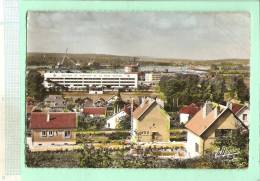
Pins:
x,y
131,125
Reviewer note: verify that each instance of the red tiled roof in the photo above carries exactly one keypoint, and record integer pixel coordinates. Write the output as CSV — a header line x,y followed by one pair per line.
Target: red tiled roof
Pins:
x,y
236,107
56,121
191,109
95,110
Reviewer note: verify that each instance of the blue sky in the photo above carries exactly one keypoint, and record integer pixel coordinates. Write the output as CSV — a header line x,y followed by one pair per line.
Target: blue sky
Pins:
x,y
184,35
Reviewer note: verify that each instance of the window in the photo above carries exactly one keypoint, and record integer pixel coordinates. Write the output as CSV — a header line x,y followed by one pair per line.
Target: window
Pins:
x,y
67,134
44,133
50,133
145,132
196,147
108,125
244,117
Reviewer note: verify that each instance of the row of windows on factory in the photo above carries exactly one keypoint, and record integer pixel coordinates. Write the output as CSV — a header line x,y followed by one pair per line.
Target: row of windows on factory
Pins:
x,y
87,78
99,82
67,85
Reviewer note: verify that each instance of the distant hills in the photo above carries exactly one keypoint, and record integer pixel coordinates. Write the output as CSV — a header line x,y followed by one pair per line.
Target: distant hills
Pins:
x,y
84,59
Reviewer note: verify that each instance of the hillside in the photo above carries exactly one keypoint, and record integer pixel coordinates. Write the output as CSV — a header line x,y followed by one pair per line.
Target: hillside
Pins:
x,y
84,59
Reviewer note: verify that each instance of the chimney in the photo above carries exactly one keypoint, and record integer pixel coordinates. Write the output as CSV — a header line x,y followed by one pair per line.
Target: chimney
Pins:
x,y
142,101
160,102
48,117
216,111
229,105
207,108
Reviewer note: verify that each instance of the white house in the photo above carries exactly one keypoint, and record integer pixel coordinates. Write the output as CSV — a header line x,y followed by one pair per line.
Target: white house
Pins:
x,y
114,121
187,112
243,115
241,111
212,122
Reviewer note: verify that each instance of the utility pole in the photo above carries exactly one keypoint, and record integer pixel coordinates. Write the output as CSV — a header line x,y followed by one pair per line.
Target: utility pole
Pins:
x,y
131,116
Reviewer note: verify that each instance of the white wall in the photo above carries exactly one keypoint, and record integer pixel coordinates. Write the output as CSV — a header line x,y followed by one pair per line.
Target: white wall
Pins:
x,y
148,77
190,146
240,116
113,122
184,118
95,92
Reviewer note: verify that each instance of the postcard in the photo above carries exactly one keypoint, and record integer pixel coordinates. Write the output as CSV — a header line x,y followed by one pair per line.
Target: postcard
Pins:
x,y
132,90
137,90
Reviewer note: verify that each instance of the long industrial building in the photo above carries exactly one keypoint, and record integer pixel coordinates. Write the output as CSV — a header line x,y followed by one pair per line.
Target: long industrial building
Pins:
x,y
77,81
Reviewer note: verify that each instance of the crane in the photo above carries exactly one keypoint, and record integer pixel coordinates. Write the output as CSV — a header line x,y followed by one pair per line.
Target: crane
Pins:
x,y
72,60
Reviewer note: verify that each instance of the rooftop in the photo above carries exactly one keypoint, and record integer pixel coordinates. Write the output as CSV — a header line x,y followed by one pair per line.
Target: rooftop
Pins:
x,y
191,109
95,110
143,107
236,107
56,120
206,117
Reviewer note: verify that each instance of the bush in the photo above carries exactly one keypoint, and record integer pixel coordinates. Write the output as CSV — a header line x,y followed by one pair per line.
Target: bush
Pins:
x,y
118,135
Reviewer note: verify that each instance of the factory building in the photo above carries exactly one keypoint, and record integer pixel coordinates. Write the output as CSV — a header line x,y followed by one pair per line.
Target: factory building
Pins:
x,y
131,68
153,77
79,81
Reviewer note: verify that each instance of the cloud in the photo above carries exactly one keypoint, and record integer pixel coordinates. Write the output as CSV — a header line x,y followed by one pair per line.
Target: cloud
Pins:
x,y
156,34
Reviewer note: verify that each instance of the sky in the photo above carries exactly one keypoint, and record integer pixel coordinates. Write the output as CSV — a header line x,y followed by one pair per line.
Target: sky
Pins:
x,y
179,35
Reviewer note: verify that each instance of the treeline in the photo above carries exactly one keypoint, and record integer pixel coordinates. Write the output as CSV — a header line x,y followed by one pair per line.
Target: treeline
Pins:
x,y
185,89
41,59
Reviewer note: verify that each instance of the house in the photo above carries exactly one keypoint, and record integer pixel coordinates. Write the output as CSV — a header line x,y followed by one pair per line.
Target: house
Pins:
x,y
211,122
112,99
241,111
100,102
150,122
53,128
187,112
88,102
114,120
95,111
55,102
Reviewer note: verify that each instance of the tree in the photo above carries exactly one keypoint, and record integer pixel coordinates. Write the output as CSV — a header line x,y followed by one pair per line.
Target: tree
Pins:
x,y
125,123
184,88
236,142
119,103
239,88
34,85
218,89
